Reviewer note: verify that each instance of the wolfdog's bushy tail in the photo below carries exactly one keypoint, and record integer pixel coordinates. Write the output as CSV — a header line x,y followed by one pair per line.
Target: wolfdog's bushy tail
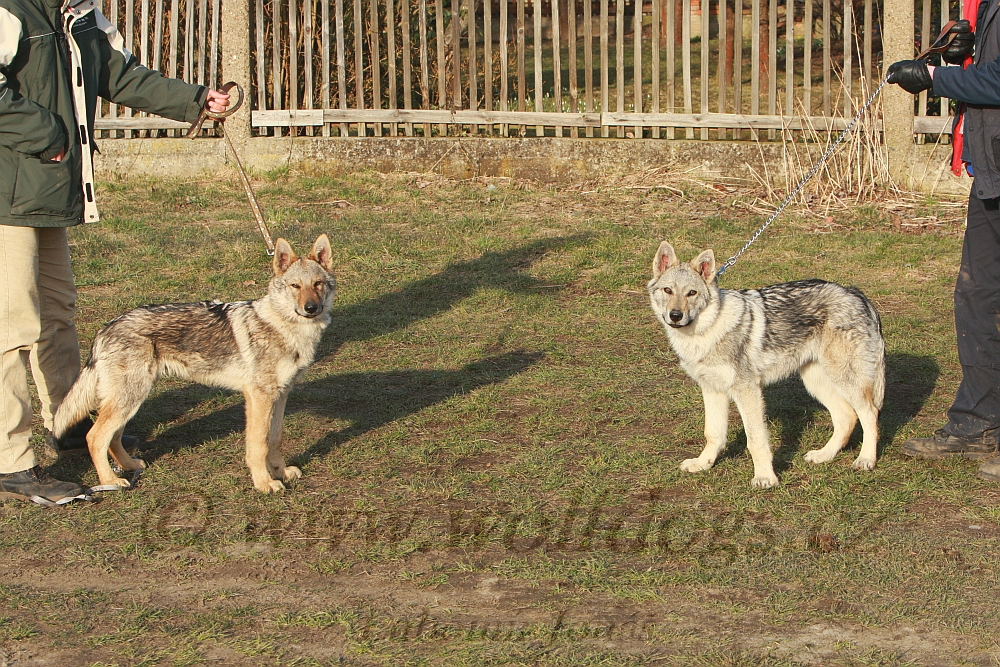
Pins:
x,y
81,399
878,391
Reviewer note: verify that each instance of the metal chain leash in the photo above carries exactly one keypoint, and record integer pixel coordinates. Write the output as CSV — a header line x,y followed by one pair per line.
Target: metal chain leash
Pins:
x,y
808,177
943,41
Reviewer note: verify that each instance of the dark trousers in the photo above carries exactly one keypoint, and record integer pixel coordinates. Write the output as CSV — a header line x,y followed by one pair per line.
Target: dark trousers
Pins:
x,y
977,323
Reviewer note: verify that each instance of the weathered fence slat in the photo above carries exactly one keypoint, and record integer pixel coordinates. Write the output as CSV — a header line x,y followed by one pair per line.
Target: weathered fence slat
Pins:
x,y
789,58
654,40
425,86
671,44
574,91
376,62
456,54
359,64
390,33
686,60
588,58
827,60
276,55
619,62
404,8
603,59
807,37
703,7
772,61
326,47
488,58
556,64
637,64
536,45
341,62
504,73
262,86
722,68
848,51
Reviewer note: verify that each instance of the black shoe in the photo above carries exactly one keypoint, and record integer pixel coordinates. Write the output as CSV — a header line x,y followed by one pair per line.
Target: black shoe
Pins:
x,y
943,444
76,440
36,483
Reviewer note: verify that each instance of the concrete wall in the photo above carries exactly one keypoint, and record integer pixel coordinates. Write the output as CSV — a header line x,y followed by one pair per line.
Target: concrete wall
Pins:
x,y
549,159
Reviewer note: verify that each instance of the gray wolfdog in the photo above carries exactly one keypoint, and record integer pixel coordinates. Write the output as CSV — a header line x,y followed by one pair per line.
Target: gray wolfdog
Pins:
x,y
734,342
258,347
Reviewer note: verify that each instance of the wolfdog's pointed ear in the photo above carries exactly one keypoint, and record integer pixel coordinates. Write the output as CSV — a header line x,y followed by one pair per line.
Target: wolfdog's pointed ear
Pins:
x,y
322,253
284,257
705,265
665,258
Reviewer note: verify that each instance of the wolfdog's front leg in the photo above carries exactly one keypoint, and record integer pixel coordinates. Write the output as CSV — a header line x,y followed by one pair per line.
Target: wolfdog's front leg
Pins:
x,y
716,428
275,462
750,401
260,407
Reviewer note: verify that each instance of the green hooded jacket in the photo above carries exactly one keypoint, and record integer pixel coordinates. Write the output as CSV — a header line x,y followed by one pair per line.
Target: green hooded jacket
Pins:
x,y
56,58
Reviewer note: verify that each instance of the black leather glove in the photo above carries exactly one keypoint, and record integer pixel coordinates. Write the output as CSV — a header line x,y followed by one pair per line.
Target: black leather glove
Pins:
x,y
911,75
961,45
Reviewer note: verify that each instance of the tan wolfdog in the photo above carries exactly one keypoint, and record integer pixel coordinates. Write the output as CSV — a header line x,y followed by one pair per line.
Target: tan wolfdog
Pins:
x,y
258,347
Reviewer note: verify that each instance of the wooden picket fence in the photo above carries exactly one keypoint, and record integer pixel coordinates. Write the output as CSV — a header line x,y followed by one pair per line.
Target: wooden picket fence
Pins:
x,y
708,69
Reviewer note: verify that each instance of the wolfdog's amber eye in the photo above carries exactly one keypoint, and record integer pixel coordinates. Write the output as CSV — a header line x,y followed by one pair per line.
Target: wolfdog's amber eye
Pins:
x,y
318,284
296,286
667,290
692,292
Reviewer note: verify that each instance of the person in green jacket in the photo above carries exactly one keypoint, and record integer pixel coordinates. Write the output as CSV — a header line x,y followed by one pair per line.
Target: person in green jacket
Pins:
x,y
56,58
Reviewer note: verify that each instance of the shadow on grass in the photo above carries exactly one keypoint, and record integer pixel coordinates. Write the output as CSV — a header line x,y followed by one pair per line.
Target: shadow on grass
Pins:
x,y
910,379
427,297
365,400
369,400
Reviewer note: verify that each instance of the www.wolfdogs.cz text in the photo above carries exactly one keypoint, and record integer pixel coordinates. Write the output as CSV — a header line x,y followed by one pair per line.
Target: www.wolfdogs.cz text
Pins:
x,y
258,347
734,342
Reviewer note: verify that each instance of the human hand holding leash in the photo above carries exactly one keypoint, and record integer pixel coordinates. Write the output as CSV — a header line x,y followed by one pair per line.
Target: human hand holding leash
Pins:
x,y
961,44
913,76
217,102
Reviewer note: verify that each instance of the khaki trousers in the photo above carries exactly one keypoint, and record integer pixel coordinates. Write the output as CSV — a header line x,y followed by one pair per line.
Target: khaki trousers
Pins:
x,y
37,305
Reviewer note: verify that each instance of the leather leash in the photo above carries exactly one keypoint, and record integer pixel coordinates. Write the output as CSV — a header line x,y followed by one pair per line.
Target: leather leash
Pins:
x,y
220,118
939,45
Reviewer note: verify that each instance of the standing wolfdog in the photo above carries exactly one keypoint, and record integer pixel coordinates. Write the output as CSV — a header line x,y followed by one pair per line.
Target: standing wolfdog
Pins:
x,y
734,342
258,347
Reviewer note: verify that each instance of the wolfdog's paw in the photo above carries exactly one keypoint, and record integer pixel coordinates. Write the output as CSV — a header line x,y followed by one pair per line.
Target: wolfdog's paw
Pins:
x,y
819,456
292,473
695,465
765,481
118,481
134,464
864,463
270,486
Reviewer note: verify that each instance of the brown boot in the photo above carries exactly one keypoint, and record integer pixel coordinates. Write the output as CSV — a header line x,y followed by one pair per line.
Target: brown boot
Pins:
x,y
35,484
943,444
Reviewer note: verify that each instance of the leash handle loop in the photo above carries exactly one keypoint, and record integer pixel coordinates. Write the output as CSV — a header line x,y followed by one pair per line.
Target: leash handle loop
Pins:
x,y
941,44
218,116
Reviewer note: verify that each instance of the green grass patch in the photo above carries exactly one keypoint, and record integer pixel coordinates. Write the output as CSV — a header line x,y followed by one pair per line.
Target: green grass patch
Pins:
x,y
490,439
